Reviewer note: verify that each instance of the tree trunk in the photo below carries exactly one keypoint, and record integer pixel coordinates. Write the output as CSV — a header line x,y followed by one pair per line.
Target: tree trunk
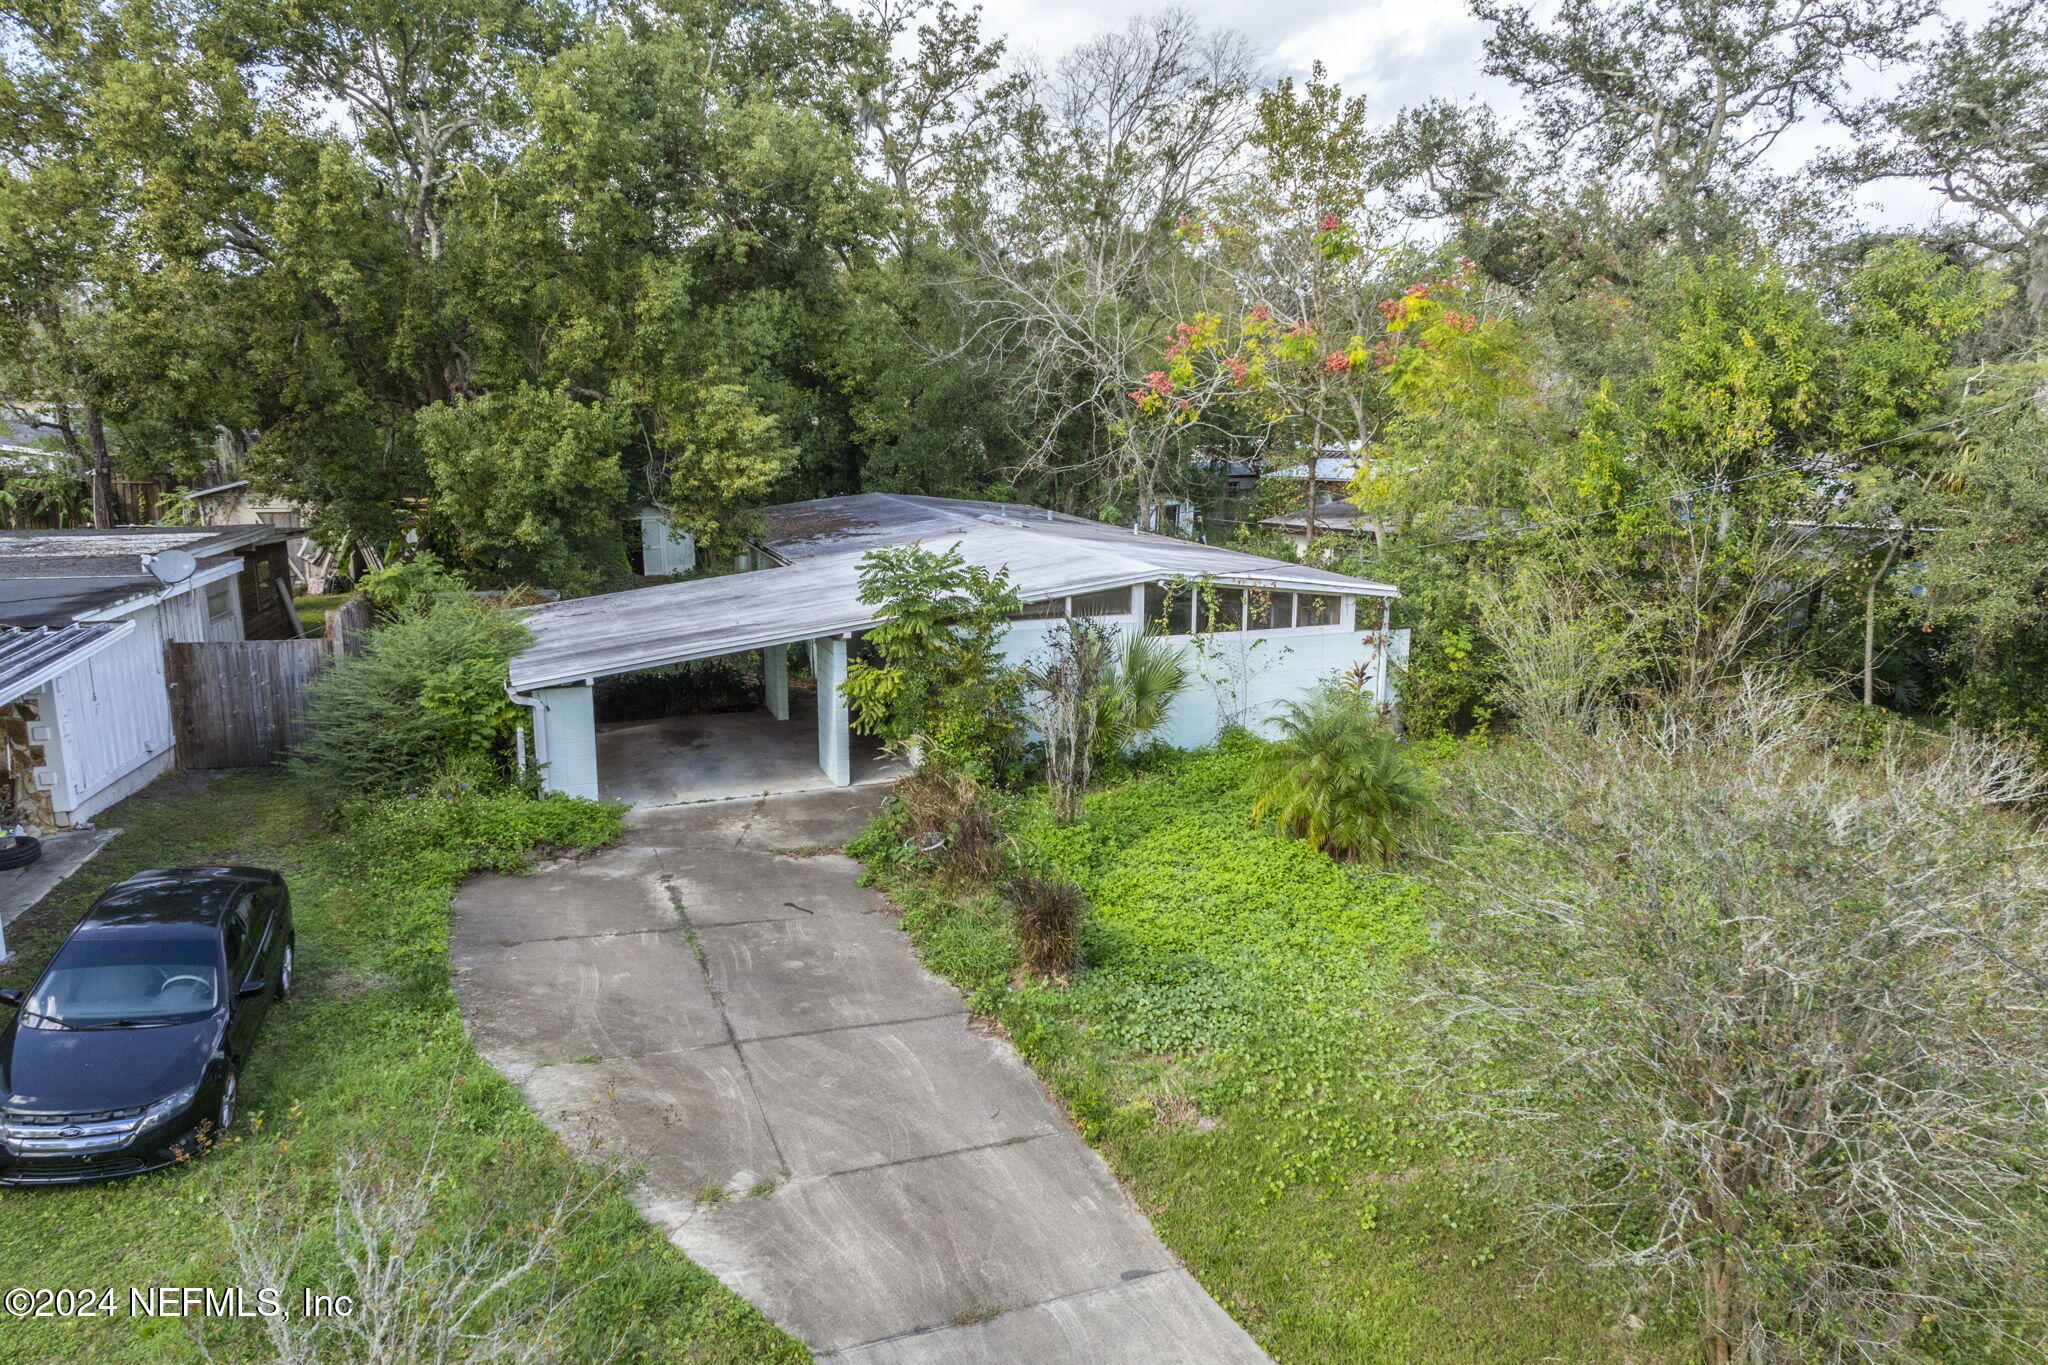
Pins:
x,y
102,471
1870,623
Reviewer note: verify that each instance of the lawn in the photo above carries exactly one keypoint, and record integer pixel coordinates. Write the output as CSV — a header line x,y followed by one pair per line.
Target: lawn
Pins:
x,y
1231,1046
363,1058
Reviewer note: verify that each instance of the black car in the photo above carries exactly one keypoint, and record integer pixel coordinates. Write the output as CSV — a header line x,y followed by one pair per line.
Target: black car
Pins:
x,y
127,1052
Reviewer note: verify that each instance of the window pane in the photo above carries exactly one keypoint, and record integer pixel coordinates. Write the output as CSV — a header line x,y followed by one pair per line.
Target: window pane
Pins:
x,y
1222,609
1108,602
1372,613
1270,610
1167,610
1317,609
1050,608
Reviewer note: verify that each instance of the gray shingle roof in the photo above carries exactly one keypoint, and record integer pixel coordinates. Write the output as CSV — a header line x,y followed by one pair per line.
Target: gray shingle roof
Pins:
x,y
816,592
29,658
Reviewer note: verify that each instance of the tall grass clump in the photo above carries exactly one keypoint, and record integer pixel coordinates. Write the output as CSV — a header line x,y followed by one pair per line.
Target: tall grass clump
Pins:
x,y
1048,912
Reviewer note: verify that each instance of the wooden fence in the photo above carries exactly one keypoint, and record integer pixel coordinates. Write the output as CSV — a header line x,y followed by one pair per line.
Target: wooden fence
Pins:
x,y
241,703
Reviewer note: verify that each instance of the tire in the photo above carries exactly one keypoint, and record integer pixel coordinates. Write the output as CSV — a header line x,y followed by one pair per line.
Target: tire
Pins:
x,y
19,851
224,1110
284,970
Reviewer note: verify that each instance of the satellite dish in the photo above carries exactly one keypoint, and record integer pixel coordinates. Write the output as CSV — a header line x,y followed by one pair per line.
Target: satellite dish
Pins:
x,y
170,566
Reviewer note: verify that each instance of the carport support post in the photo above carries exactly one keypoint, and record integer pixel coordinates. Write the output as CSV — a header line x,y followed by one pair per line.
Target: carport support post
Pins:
x,y
834,744
775,680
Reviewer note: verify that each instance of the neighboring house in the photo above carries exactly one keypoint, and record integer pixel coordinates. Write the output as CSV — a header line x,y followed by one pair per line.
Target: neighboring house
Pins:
x,y
1329,469
85,716
1334,520
235,503
1280,628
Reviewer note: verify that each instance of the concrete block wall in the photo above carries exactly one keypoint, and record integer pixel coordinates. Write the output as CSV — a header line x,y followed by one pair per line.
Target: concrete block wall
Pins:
x,y
1246,677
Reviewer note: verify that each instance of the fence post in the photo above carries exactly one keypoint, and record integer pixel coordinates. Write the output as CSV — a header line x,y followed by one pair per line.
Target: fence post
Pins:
x,y
346,626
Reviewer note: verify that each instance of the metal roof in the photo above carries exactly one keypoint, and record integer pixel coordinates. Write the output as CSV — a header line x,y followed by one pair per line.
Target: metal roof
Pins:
x,y
49,578
816,591
30,658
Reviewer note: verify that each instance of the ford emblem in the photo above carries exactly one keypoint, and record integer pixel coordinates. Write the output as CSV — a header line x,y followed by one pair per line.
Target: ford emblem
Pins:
x,y
72,1132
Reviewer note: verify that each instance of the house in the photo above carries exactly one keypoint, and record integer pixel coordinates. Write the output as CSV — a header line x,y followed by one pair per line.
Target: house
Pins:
x,y
1333,518
1261,632
85,715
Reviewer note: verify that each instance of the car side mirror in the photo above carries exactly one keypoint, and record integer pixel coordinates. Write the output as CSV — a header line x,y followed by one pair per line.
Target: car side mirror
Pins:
x,y
251,989
11,998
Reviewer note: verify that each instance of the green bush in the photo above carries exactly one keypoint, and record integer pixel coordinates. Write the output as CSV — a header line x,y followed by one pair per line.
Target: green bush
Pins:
x,y
1339,778
409,583
426,696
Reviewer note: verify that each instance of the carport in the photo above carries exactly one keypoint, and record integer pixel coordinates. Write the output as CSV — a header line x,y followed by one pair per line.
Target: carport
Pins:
x,y
816,606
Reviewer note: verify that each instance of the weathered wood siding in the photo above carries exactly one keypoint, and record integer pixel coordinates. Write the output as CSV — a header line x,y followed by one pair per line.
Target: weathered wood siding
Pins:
x,y
240,704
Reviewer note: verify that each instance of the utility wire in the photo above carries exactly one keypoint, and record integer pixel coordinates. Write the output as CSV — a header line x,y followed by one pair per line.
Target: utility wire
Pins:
x,y
1686,492
1986,944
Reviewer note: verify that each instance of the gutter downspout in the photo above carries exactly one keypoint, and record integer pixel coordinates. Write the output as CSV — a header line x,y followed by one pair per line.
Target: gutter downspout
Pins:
x,y
540,734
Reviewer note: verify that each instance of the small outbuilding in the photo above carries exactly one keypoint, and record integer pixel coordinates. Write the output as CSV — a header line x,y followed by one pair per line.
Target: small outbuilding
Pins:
x,y
85,616
1260,632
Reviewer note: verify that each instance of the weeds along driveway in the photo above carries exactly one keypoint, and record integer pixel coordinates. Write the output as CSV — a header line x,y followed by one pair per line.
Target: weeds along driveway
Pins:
x,y
717,1002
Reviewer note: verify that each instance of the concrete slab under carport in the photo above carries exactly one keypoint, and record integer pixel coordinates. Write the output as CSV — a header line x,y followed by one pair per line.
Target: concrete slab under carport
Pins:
x,y
676,760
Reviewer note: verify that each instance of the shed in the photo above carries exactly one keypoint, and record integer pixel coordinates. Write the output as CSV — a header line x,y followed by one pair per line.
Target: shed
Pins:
x,y
84,707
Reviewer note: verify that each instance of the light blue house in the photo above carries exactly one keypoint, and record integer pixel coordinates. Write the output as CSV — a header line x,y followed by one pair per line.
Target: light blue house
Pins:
x,y
1258,632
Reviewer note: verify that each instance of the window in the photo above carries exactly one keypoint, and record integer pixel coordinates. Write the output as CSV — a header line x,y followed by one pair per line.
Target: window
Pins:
x,y
1372,613
1317,609
1222,609
1269,610
220,600
1168,610
110,981
237,934
1050,609
1109,602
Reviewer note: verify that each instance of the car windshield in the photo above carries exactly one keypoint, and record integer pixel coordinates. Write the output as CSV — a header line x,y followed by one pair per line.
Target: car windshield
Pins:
x,y
118,983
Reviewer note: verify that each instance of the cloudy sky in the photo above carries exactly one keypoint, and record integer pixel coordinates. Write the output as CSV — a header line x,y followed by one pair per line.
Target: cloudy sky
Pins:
x,y
1399,52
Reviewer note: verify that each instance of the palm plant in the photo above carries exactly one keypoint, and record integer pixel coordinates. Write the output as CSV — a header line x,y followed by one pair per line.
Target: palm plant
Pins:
x,y
1139,692
1340,778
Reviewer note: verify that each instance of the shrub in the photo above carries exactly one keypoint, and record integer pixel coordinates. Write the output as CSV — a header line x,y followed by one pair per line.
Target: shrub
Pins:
x,y
1070,687
1743,1007
937,676
1149,677
939,803
427,694
1339,778
1048,914
408,584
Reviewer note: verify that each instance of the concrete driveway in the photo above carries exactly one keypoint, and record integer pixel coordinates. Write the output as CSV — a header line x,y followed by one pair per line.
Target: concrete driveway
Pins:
x,y
817,1120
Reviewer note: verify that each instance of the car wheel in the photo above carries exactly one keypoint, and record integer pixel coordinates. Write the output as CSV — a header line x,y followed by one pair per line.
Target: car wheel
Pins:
x,y
284,970
224,1112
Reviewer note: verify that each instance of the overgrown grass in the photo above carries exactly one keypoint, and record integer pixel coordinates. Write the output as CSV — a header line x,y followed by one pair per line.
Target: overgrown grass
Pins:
x,y
1229,1045
363,1057
313,608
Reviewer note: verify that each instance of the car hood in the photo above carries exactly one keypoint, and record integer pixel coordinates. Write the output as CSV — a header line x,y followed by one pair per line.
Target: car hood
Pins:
x,y
66,1071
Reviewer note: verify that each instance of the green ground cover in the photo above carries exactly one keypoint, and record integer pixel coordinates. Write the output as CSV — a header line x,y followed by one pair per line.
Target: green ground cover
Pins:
x,y
363,1058
1231,1046
313,609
